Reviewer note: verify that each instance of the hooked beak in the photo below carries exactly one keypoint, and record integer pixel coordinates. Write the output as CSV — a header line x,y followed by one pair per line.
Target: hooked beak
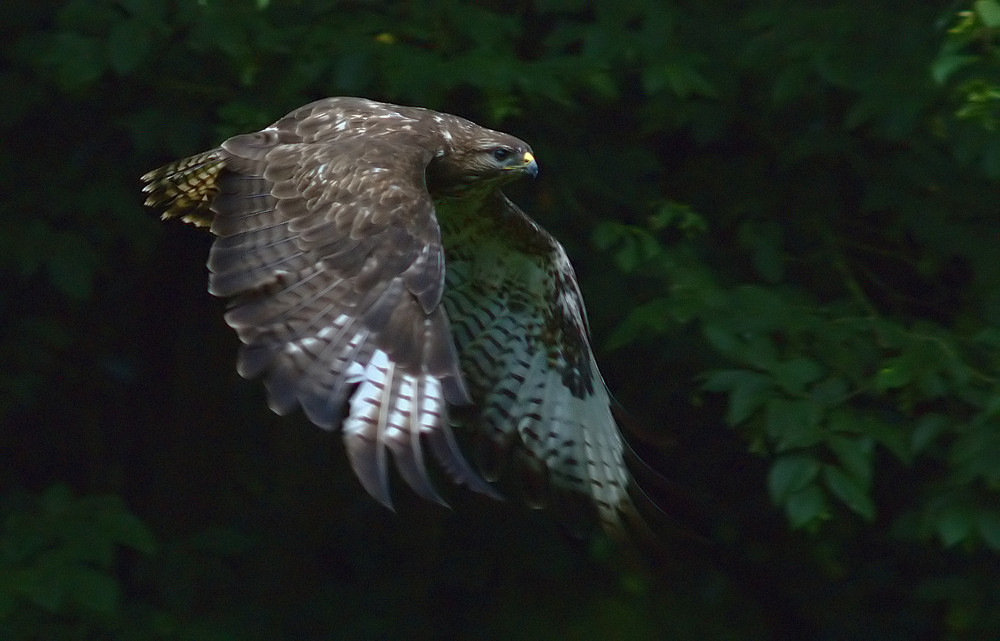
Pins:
x,y
530,167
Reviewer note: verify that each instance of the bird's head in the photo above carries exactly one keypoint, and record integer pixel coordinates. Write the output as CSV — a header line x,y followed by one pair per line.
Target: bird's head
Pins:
x,y
480,160
508,161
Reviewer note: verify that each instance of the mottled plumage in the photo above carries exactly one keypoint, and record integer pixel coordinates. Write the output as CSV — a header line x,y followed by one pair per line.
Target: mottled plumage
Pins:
x,y
375,270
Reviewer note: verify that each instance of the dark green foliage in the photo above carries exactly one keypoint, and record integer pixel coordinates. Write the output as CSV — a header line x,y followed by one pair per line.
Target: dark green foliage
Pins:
x,y
58,562
785,220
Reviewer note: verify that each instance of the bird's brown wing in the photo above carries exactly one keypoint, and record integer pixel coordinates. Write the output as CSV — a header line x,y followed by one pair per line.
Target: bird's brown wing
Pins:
x,y
330,253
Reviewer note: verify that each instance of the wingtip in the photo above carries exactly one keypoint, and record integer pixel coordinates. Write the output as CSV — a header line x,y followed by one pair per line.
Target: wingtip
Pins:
x,y
450,457
377,486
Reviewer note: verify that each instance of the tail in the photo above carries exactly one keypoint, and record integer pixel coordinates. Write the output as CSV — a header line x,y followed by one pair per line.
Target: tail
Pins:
x,y
185,189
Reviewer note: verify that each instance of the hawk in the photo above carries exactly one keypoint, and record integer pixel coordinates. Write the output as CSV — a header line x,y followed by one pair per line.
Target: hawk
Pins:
x,y
380,279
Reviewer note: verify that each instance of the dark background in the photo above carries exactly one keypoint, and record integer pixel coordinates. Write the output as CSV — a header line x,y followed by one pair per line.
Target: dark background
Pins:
x,y
784,217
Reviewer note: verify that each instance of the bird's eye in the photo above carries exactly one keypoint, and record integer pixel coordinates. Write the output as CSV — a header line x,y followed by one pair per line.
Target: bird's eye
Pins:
x,y
502,153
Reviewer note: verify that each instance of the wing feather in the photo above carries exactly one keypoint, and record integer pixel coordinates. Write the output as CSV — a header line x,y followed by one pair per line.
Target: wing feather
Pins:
x,y
523,343
330,253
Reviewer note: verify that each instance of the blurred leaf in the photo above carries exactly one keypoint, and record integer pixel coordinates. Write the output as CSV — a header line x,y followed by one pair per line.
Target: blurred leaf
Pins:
x,y
945,65
651,317
895,373
830,391
988,521
796,373
679,215
57,552
806,507
74,61
954,524
125,528
850,490
927,429
855,456
92,589
748,390
682,80
989,12
45,587
790,474
793,423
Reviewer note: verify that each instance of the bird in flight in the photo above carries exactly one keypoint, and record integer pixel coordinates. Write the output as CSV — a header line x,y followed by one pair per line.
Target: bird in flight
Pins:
x,y
379,279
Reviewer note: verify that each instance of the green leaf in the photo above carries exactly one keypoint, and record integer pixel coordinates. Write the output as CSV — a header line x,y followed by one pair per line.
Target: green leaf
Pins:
x,y
954,524
851,491
927,429
988,521
606,234
855,455
125,528
946,64
806,507
42,586
652,317
747,392
722,338
896,373
830,391
683,80
91,589
793,423
759,350
794,374
671,214
989,12
74,60
890,435
603,85
790,474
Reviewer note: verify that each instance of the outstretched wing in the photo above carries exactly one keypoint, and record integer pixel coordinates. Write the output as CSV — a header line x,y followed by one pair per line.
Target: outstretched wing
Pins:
x,y
331,256
522,336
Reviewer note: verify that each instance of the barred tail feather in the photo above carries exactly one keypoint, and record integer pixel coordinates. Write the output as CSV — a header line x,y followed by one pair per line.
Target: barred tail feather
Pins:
x,y
185,188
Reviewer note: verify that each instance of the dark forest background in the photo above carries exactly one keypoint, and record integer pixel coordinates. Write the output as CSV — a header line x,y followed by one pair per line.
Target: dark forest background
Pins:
x,y
784,216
